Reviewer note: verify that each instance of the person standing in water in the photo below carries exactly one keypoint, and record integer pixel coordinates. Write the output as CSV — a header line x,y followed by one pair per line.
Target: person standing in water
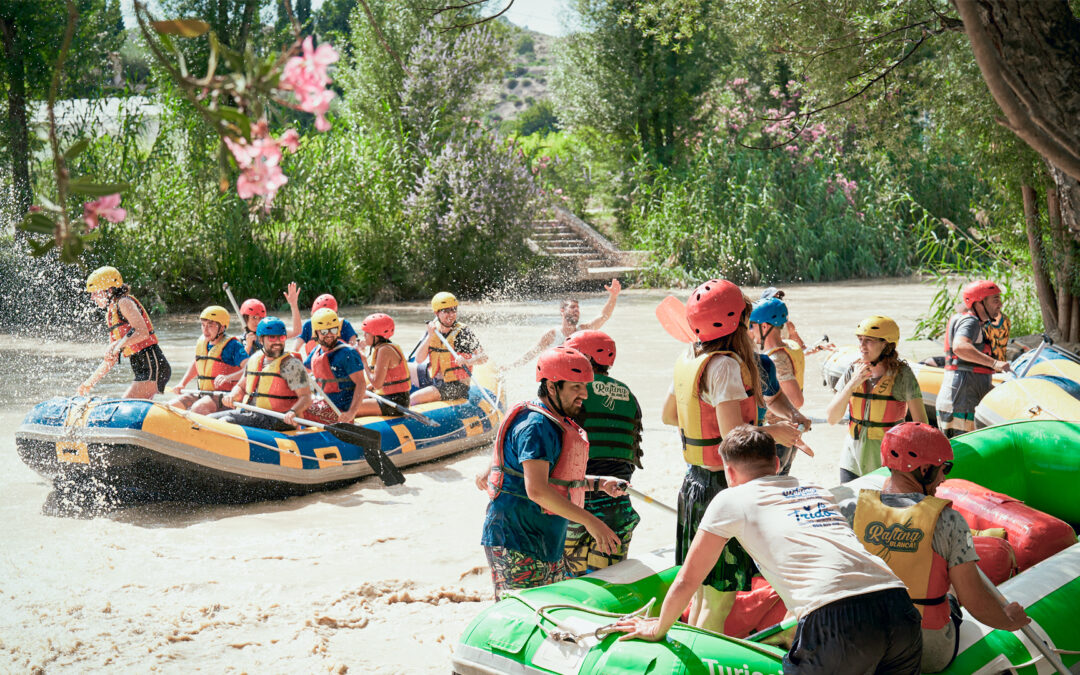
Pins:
x,y
878,391
717,387
537,479
571,314
611,416
131,334
969,359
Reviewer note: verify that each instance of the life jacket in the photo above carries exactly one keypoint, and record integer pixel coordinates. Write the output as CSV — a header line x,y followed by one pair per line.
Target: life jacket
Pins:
x,y
697,419
875,409
440,358
119,326
903,537
996,334
954,362
265,385
209,364
798,359
323,372
611,418
396,379
567,477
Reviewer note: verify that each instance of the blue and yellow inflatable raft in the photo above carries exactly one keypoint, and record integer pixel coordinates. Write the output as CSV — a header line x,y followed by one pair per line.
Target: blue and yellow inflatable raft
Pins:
x,y
125,449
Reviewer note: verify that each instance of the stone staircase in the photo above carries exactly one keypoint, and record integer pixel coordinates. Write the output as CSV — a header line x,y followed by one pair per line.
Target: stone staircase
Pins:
x,y
584,253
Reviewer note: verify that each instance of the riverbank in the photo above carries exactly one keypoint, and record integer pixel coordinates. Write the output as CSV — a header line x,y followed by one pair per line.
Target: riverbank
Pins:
x,y
367,579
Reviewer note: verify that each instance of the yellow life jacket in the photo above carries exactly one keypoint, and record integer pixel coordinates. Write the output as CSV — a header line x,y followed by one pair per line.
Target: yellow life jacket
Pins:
x,y
798,359
903,537
266,386
209,364
697,420
876,409
440,359
996,333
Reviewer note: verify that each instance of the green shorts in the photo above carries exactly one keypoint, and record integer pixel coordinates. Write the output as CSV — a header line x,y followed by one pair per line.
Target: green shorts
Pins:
x,y
735,568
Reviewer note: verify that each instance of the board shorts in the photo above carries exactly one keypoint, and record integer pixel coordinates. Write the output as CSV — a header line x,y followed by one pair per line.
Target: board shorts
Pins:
x,y
872,633
734,569
401,398
150,364
960,393
512,569
617,513
449,391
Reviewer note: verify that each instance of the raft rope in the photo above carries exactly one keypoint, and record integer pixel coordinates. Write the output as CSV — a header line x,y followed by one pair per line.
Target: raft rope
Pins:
x,y
1040,657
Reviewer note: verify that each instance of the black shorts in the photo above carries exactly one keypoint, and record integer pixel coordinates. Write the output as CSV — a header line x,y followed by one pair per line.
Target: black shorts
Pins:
x,y
872,633
401,398
451,390
151,364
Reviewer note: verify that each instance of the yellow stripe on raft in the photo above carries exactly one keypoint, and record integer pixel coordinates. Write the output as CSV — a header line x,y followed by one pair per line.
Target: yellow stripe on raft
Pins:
x,y
405,437
227,440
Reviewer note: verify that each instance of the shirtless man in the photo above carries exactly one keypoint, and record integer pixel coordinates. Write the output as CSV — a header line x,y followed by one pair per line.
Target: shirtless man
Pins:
x,y
571,313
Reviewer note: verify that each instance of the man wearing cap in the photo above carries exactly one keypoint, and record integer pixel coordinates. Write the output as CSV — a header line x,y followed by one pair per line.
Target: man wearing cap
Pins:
x,y
969,361
217,356
274,380
936,551
537,479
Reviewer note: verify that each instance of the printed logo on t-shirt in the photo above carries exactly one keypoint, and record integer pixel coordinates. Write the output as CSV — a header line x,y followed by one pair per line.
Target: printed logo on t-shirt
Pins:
x,y
896,537
611,392
815,512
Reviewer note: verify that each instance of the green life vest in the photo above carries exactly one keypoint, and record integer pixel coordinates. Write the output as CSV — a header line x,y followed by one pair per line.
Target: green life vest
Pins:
x,y
612,417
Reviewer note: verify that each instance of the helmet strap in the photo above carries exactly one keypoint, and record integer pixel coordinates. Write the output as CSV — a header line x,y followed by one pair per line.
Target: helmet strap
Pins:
x,y
554,400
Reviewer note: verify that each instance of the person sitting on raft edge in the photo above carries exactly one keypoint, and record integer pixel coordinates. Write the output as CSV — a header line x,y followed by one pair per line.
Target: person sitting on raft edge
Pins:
x,y
919,457
337,367
449,373
217,356
389,376
274,380
571,313
131,334
854,613
537,480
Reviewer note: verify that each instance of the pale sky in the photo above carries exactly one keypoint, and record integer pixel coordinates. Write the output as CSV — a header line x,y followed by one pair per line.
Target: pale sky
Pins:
x,y
539,15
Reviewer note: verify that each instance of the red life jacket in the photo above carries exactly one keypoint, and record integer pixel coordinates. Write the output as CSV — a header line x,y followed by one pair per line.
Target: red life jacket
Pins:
x,y
952,361
324,374
396,379
209,364
568,474
266,386
119,326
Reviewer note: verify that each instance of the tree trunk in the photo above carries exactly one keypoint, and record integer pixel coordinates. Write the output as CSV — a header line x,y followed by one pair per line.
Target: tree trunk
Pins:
x,y
18,130
1074,323
1038,261
1029,54
1063,247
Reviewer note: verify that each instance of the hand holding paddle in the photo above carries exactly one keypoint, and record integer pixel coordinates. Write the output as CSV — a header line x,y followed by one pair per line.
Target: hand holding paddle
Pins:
x,y
107,364
461,362
1010,610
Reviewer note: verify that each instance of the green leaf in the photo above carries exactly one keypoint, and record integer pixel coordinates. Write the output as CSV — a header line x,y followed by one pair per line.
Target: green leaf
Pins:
x,y
85,185
38,223
185,28
92,236
236,118
37,250
76,148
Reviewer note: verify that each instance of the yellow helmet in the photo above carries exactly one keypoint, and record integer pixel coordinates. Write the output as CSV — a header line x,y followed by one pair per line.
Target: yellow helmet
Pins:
x,y
881,327
443,300
103,278
325,318
216,313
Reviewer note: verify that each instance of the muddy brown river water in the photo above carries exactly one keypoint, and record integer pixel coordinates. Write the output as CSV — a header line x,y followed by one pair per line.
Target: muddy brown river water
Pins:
x,y
367,579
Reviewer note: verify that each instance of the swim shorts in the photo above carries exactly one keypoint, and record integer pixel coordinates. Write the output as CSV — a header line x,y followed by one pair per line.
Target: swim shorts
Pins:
x,y
512,569
401,398
151,364
452,390
615,512
735,568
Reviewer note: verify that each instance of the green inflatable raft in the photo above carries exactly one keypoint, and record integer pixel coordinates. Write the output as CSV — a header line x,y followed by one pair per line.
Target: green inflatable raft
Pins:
x,y
562,628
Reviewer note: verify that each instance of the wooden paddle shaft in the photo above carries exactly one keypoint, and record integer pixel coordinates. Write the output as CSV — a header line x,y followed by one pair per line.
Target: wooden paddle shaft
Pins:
x,y
277,415
479,388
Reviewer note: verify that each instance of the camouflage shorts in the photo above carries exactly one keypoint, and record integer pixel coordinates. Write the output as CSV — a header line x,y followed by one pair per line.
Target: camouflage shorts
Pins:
x,y
618,514
512,569
735,568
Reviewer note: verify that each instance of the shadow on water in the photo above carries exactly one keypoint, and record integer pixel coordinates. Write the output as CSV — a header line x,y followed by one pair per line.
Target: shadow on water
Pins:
x,y
106,501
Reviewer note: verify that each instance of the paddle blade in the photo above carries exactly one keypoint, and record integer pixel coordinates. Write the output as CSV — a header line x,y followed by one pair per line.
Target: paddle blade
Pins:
x,y
370,442
671,313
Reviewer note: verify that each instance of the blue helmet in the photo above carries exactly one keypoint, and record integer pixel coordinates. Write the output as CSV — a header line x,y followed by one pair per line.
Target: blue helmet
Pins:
x,y
271,325
772,311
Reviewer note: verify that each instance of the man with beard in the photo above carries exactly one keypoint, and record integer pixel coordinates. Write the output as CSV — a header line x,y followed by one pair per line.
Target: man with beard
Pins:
x,y
338,369
448,370
275,380
571,314
537,479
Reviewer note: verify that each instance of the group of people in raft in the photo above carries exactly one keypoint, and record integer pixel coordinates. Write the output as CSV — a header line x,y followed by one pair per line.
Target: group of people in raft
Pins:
x,y
562,462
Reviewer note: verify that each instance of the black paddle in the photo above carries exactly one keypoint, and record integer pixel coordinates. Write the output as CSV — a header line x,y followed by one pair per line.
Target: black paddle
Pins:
x,y
368,440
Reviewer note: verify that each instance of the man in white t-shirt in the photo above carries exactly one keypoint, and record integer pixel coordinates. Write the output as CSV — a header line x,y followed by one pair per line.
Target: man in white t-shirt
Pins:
x,y
854,613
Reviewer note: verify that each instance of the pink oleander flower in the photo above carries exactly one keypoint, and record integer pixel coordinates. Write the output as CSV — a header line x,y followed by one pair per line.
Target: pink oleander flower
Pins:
x,y
259,162
108,207
306,76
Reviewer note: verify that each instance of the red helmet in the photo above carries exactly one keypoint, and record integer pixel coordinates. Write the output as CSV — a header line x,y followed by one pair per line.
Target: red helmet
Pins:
x,y
595,344
563,364
253,307
978,290
324,300
715,309
910,445
378,324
